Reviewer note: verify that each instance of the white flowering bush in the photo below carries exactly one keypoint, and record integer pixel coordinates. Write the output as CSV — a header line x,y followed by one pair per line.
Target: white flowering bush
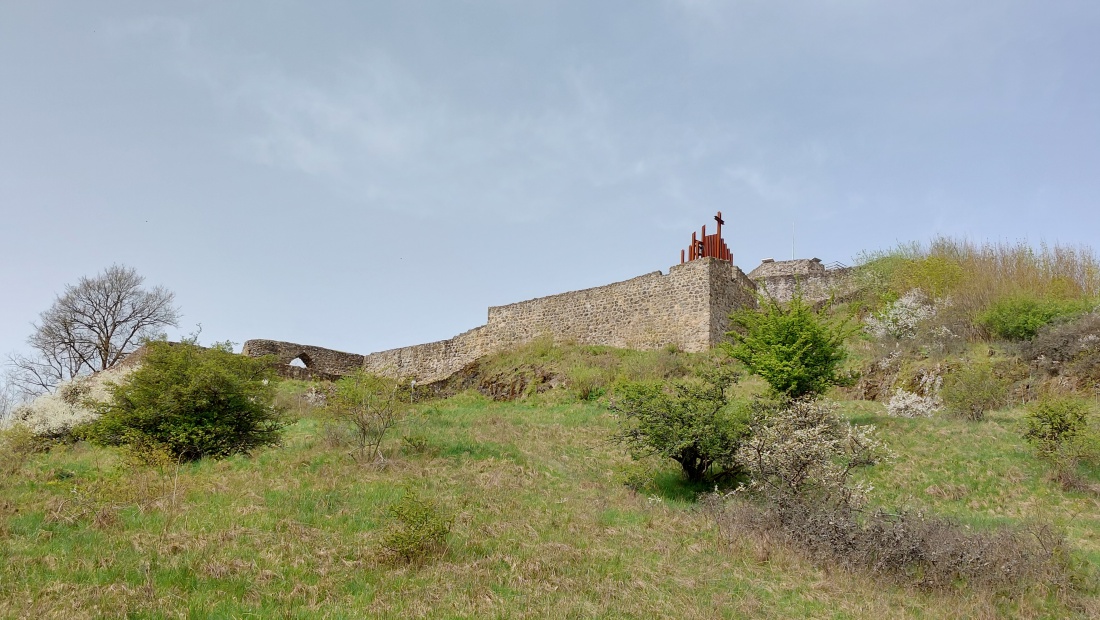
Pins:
x,y
804,454
922,403
900,318
56,414
905,404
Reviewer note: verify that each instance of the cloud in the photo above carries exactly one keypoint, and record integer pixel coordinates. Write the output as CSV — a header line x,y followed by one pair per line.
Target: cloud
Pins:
x,y
372,129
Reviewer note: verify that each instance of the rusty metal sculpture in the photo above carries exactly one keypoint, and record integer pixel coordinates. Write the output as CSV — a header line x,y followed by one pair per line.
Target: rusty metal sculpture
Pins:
x,y
708,245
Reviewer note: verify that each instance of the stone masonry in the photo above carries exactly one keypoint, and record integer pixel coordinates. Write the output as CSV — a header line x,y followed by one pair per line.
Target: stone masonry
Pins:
x,y
688,308
780,279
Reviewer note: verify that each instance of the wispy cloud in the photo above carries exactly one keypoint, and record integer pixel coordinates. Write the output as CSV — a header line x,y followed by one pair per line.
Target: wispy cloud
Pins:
x,y
372,129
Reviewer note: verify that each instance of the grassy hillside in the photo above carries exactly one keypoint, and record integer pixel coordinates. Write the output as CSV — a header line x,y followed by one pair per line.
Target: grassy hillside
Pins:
x,y
550,517
544,527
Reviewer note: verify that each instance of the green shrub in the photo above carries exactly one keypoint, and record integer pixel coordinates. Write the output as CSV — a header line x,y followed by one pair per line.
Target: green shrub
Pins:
x,y
797,349
973,390
1021,318
1052,422
193,401
419,528
691,422
17,444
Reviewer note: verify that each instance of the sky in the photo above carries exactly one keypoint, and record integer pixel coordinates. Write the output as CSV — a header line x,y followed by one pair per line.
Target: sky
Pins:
x,y
368,175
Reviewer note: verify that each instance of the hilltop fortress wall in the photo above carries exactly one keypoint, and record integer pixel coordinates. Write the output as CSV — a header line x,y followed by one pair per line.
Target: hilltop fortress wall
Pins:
x,y
688,307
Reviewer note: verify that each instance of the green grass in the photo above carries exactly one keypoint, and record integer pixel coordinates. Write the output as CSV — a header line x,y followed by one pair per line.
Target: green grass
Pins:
x,y
544,528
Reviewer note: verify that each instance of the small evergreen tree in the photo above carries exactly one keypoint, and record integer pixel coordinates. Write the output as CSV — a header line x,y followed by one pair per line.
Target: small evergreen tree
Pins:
x,y
796,348
193,402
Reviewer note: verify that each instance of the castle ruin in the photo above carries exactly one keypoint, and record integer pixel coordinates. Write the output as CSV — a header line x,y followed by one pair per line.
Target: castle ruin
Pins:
x,y
688,308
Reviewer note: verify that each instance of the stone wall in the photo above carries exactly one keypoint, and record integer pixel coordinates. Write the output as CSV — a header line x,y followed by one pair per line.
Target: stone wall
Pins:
x,y
688,307
730,289
316,359
780,279
646,312
832,284
433,361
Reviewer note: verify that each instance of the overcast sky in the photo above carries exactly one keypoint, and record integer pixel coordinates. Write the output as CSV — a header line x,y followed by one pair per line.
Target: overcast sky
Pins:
x,y
366,175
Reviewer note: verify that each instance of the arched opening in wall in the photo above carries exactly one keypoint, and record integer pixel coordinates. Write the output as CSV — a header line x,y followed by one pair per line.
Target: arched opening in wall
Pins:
x,y
302,361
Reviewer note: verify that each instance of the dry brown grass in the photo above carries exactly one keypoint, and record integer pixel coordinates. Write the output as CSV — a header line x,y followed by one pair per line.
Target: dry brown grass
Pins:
x,y
975,275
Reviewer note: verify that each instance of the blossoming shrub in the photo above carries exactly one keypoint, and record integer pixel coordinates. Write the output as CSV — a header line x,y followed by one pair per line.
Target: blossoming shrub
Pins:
x,y
900,318
54,415
905,404
803,454
924,400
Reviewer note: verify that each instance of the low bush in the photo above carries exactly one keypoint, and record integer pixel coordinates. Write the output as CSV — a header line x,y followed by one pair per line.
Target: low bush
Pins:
x,y
17,444
1021,317
192,401
907,548
418,528
1054,422
1058,428
799,459
692,422
974,390
369,405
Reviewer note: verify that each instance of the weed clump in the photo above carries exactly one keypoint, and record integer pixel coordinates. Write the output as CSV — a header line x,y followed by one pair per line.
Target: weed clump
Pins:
x,y
418,443
418,530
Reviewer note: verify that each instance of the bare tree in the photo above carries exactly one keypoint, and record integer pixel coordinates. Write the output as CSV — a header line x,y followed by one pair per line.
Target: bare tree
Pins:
x,y
92,326
8,398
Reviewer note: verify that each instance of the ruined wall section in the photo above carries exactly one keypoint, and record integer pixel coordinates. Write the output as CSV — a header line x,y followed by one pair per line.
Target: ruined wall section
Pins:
x,y
433,361
780,279
835,284
316,359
